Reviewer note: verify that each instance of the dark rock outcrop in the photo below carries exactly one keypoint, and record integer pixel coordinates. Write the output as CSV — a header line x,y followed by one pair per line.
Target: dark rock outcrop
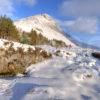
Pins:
x,y
96,55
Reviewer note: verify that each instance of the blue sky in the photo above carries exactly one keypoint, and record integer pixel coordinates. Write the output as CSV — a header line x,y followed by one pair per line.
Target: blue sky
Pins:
x,y
79,18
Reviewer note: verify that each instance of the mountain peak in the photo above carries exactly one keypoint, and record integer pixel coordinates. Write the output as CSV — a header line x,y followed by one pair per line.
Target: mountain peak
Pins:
x,y
45,15
39,17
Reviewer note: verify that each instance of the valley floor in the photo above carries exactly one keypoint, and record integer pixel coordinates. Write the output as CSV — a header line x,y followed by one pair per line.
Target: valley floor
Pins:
x,y
71,75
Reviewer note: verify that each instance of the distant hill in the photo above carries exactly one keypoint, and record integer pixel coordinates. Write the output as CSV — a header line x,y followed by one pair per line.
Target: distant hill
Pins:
x,y
81,44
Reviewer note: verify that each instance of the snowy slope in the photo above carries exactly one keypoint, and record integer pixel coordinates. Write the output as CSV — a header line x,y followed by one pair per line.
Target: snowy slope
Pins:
x,y
72,77
43,24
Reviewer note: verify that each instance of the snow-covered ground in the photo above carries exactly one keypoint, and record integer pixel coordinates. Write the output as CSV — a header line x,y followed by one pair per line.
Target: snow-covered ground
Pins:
x,y
72,75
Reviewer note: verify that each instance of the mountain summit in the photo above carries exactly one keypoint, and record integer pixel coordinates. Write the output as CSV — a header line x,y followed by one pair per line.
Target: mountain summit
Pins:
x,y
45,25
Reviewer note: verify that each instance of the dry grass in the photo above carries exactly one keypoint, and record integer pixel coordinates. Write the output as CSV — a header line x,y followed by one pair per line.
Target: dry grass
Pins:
x,y
13,61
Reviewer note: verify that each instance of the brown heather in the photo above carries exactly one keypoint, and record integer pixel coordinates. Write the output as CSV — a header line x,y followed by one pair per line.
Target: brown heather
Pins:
x,y
14,61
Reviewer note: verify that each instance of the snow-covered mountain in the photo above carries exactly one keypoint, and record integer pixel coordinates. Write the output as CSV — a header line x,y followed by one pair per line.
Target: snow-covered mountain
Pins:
x,y
45,25
52,73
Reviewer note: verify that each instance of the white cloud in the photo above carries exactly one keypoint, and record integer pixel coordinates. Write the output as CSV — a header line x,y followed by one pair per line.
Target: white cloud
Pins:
x,y
82,25
6,7
77,8
27,2
86,13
